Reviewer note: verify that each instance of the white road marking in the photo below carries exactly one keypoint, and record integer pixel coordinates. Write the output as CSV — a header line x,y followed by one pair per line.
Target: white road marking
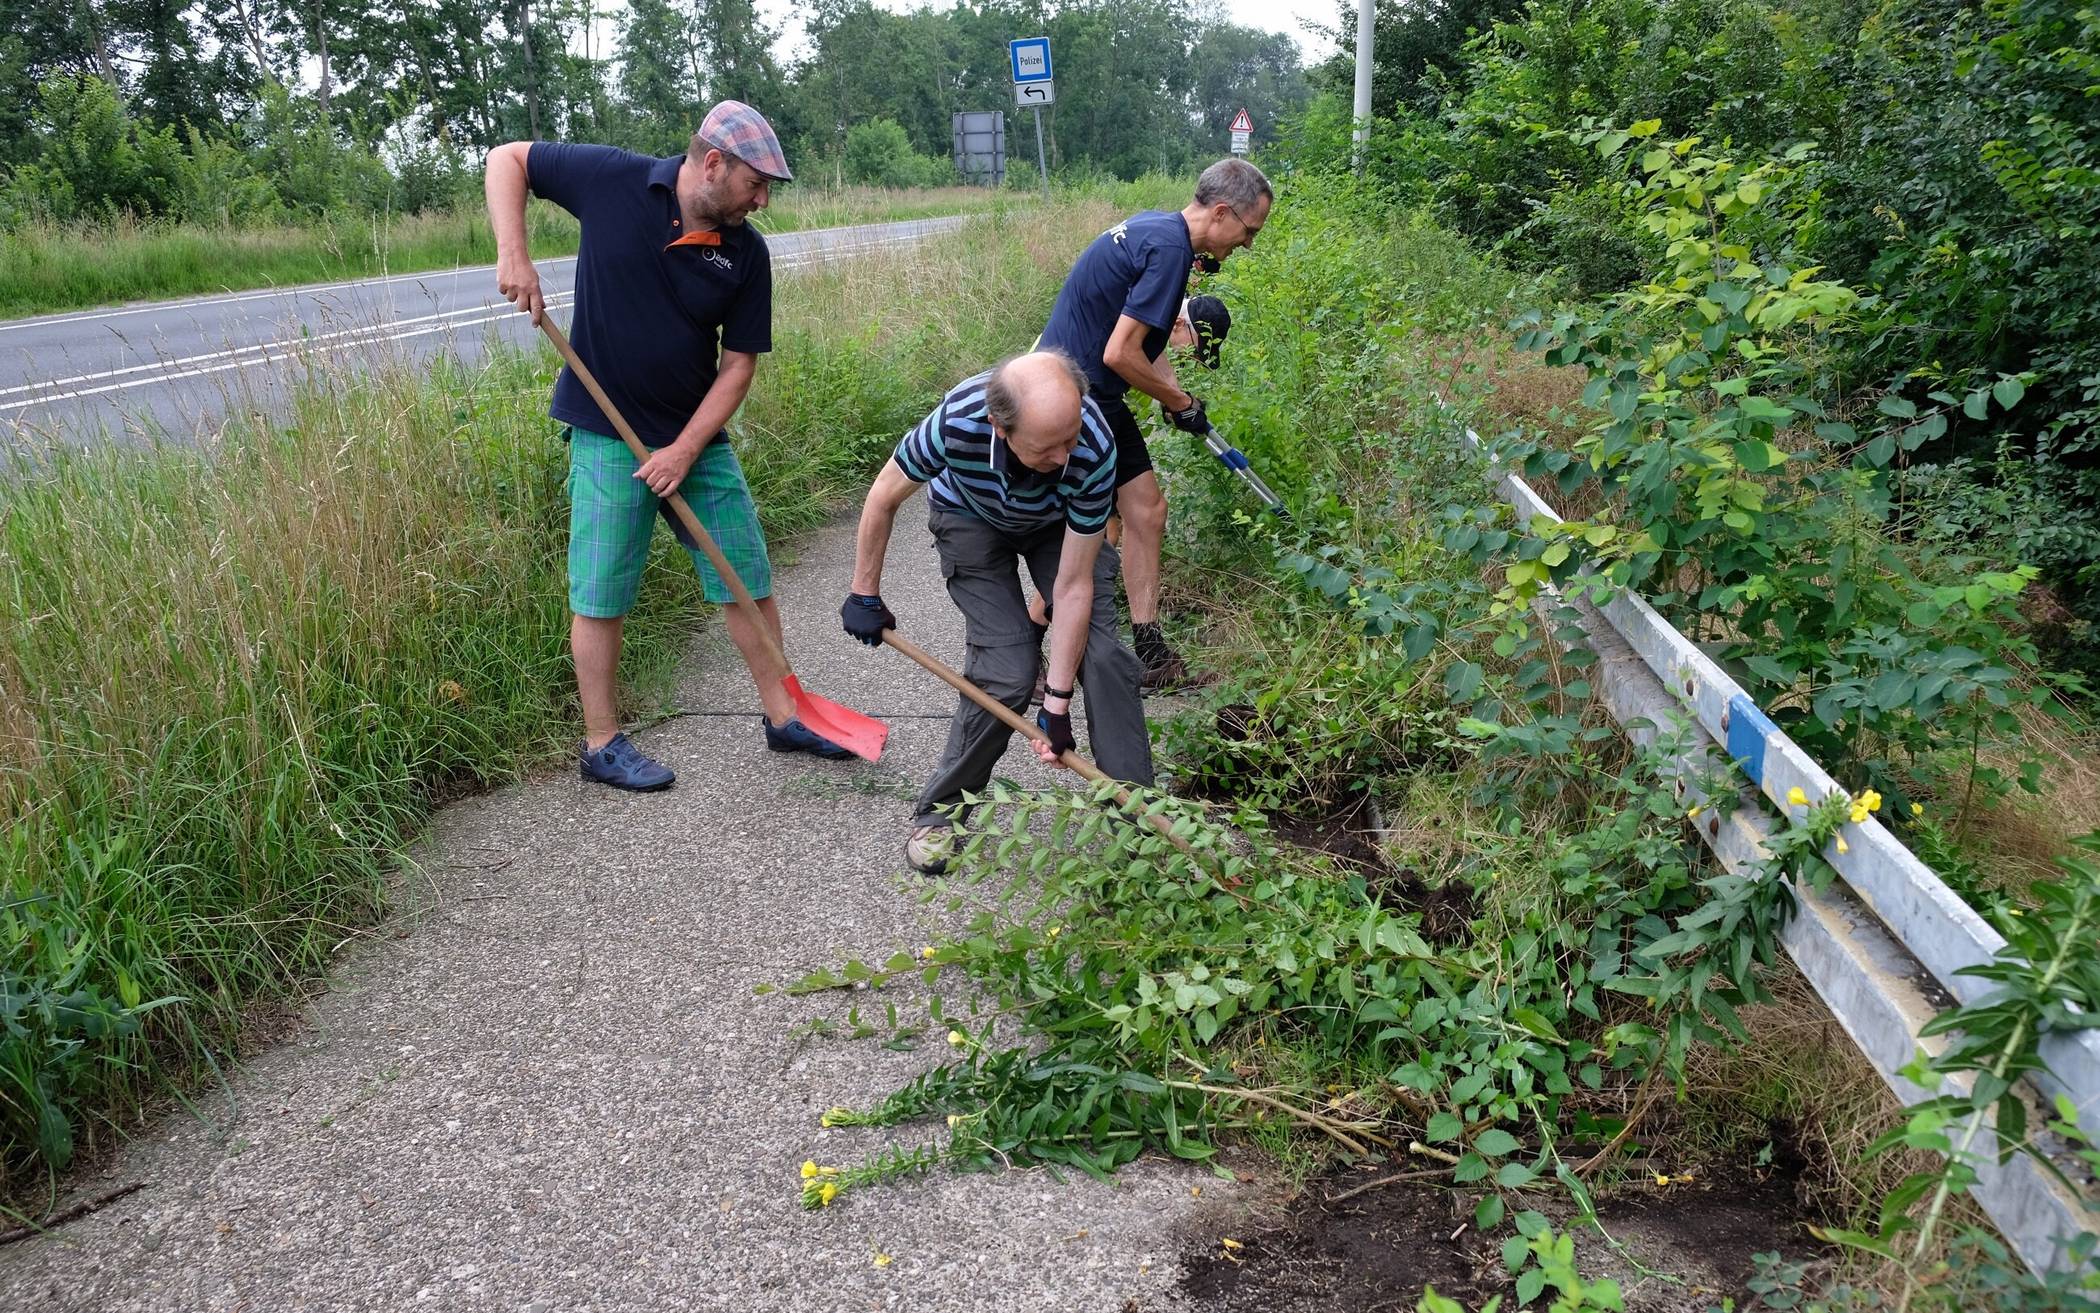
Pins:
x,y
302,290
264,353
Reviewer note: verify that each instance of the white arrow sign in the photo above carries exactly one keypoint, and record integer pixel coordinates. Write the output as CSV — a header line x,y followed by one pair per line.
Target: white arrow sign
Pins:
x,y
1035,95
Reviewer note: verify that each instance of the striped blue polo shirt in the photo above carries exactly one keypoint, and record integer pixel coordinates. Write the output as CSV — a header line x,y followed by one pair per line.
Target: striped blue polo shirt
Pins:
x,y
973,471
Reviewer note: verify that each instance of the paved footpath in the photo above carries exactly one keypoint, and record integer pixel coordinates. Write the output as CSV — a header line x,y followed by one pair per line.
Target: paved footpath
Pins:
x,y
548,1086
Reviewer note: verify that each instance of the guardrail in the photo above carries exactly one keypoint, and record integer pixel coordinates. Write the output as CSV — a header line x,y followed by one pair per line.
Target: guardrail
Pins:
x,y
1885,948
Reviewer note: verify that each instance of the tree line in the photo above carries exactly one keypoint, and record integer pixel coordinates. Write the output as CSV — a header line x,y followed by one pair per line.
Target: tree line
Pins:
x,y
237,110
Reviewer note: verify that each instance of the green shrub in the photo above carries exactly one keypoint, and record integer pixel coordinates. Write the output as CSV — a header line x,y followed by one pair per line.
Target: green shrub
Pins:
x,y
879,154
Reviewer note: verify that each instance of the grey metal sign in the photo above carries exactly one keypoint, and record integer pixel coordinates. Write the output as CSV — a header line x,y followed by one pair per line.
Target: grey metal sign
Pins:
x,y
980,147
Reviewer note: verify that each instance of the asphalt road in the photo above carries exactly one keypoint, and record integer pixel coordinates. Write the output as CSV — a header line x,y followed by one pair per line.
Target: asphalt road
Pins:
x,y
171,369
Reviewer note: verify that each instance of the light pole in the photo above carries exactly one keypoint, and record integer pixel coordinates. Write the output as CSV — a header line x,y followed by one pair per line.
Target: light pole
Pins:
x,y
1366,25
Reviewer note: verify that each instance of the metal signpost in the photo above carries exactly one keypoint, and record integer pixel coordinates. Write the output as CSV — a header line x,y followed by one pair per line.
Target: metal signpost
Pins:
x,y
980,147
1033,89
1242,132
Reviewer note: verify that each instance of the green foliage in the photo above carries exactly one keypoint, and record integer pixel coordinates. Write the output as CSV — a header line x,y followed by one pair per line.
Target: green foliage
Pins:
x,y
1964,205
1539,1258
92,160
1125,991
878,154
1873,657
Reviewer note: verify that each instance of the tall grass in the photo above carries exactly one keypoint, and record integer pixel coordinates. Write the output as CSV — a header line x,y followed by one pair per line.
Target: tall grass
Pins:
x,y
234,681
47,267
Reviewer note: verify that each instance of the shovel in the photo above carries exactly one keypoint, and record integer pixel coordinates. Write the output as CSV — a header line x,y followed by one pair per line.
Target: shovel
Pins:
x,y
860,735
1070,757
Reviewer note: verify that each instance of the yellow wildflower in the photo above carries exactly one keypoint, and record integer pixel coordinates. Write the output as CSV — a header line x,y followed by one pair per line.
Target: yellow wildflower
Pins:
x,y
1230,1243
1859,813
957,1038
809,1171
1693,814
1870,800
928,951
1796,797
954,1120
1843,847
1661,1179
1056,930
1917,809
828,1193
883,1260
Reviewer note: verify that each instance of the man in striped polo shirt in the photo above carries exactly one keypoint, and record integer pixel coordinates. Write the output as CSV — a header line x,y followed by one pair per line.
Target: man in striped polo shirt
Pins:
x,y
1023,468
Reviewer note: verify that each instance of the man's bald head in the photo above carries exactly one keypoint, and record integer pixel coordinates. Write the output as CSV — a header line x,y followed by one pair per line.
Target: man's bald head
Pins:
x,y
1035,402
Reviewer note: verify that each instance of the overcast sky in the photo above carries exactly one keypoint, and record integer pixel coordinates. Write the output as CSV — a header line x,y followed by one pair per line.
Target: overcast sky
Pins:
x,y
1263,15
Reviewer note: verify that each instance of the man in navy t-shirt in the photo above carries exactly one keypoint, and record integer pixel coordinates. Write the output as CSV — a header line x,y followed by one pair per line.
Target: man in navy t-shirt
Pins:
x,y
674,304
1114,315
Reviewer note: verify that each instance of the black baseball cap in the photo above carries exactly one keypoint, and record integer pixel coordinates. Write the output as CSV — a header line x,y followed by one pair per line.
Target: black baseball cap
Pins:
x,y
1211,322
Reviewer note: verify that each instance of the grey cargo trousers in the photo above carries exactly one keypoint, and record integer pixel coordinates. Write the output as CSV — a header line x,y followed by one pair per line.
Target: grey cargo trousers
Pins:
x,y
981,564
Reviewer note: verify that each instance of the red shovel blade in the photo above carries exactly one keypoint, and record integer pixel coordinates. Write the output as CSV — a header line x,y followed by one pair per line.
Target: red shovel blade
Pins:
x,y
863,736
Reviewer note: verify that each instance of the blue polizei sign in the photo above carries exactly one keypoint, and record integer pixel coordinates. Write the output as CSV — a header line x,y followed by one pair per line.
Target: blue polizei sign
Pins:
x,y
1031,58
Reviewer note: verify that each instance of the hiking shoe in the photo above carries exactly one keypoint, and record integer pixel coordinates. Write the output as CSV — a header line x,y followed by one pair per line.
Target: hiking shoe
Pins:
x,y
798,737
929,849
622,765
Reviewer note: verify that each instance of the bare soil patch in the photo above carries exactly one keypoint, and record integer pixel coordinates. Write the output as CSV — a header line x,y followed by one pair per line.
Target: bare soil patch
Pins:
x,y
1675,1249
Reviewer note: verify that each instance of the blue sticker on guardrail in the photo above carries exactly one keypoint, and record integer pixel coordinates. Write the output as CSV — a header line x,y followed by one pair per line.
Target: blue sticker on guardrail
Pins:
x,y
1748,728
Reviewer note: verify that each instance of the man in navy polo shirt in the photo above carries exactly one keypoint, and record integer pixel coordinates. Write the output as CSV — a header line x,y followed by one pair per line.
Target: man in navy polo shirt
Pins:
x,y
1114,315
668,275
1023,471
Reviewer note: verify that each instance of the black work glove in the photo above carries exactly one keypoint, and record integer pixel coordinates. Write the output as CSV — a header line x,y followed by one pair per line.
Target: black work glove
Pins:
x,y
1192,420
1058,726
866,617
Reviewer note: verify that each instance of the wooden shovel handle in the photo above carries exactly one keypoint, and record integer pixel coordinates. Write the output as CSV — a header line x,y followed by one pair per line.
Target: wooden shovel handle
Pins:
x,y
1022,727
678,503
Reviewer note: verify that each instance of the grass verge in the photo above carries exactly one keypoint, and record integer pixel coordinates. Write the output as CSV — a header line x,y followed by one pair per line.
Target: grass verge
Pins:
x,y
234,681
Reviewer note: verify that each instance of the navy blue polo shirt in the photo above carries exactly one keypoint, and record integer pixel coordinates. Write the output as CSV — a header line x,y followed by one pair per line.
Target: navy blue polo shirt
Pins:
x,y
1138,268
652,311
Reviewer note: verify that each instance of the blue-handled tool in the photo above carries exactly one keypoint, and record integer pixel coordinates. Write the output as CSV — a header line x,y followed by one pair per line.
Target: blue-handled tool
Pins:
x,y
1236,460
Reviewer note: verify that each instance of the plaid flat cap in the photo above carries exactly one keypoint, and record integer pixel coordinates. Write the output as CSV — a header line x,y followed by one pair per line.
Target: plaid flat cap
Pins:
x,y
735,128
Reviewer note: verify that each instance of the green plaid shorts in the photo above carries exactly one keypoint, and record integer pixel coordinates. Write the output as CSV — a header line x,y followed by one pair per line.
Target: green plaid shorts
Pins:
x,y
611,514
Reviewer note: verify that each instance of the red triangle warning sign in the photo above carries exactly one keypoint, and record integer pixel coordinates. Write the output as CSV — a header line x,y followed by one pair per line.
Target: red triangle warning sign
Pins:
x,y
1241,123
